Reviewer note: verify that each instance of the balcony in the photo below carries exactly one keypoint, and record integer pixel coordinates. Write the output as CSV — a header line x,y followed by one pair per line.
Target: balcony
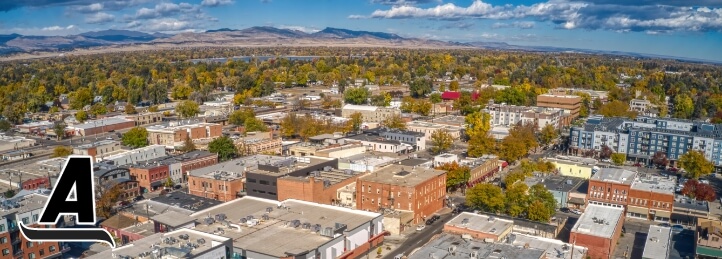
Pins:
x,y
18,252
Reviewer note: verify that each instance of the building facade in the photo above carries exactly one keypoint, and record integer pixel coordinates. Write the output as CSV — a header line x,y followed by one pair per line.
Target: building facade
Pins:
x,y
598,229
98,150
370,114
320,186
174,134
572,104
510,115
642,196
12,243
150,177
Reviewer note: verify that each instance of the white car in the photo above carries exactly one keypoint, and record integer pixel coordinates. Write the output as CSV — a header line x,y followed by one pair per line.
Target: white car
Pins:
x,y
420,227
578,212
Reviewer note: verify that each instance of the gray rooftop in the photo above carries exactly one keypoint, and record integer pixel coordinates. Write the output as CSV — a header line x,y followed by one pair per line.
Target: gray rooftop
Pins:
x,y
654,183
101,122
598,220
98,143
229,170
332,175
481,223
22,204
463,249
401,175
553,248
615,175
657,245
172,218
170,244
275,236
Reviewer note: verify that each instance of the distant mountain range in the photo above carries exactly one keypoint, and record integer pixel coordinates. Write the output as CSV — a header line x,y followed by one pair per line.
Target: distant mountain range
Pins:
x,y
254,36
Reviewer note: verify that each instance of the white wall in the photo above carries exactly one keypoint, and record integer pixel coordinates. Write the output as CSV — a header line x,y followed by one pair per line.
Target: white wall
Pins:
x,y
216,253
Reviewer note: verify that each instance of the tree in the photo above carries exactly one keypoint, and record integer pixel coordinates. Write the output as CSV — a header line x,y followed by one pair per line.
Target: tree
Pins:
x,y
514,177
5,125
9,193
62,151
394,122
440,141
13,113
153,108
511,149
456,175
618,158
516,199
683,106
660,158
423,107
187,109
168,183
135,137
420,87
98,109
382,100
699,191
695,164
254,124
357,95
130,109
188,145
181,91
80,98
356,121
454,86
223,146
435,98
107,200
616,108
290,125
408,104
487,197
239,117
606,152
59,130
548,133
81,116
537,212
543,204
328,102
478,125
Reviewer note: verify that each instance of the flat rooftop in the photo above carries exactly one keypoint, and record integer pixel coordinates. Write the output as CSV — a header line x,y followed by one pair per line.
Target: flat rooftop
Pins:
x,y
464,249
598,220
450,120
101,122
172,218
657,245
179,125
481,223
615,175
279,166
98,143
23,204
402,175
553,248
173,244
333,176
279,235
654,183
367,159
573,160
432,125
227,171
185,201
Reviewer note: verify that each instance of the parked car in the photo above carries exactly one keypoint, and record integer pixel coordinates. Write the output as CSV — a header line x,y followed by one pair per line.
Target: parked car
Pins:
x,y
420,227
665,225
565,210
578,212
606,160
704,181
436,217
429,222
637,164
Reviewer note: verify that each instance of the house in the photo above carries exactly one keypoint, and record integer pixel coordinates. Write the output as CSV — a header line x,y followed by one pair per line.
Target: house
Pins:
x,y
559,186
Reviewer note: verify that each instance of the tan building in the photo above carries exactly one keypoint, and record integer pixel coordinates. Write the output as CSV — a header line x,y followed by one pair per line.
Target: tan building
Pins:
x,y
332,151
709,238
571,104
483,169
429,128
371,114
173,135
145,118
478,226
223,182
98,150
320,186
258,143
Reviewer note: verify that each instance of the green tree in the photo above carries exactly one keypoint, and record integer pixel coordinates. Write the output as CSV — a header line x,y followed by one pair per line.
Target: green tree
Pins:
x,y
357,95
188,145
408,104
683,106
616,108
423,107
516,199
80,98
224,147
543,204
181,92
9,193
168,183
695,164
254,124
62,151
239,117
618,158
14,113
454,86
456,175
187,109
130,109
59,130
394,122
98,109
135,137
153,108
548,134
81,116
5,125
420,87
356,121
487,197
441,141
435,98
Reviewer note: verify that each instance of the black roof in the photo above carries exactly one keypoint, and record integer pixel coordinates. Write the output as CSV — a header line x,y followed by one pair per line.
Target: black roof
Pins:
x,y
186,201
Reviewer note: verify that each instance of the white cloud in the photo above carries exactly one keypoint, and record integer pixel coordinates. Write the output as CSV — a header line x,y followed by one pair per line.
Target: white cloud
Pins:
x,y
58,28
99,18
164,10
217,2
520,25
91,8
55,30
299,28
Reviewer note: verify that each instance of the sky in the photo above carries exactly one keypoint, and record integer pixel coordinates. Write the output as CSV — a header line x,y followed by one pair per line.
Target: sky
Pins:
x,y
680,28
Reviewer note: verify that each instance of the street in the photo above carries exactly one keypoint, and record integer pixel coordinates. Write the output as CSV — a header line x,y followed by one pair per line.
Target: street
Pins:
x,y
419,238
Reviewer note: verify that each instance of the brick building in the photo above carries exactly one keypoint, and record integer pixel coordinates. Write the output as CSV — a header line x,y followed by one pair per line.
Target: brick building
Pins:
x,y
223,182
642,196
150,176
179,165
479,226
708,234
145,118
319,186
90,128
98,150
482,169
598,229
12,243
36,183
259,143
263,171
173,134
571,104
418,189
106,177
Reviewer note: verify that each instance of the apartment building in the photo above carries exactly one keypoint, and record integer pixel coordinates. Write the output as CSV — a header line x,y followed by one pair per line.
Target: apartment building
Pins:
x,y
222,182
642,137
25,209
259,143
642,196
173,134
98,150
371,114
571,104
510,115
398,187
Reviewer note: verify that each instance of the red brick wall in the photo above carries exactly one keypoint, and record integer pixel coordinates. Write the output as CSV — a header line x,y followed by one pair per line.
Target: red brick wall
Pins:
x,y
36,183
655,201
213,188
310,190
146,176
215,131
107,128
425,199
35,249
607,190
599,247
474,234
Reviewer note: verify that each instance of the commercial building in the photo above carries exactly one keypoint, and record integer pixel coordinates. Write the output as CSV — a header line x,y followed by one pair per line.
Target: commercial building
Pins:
x,y
263,171
319,186
510,115
553,248
482,169
574,166
262,228
34,127
598,229
258,143
380,144
398,187
145,118
137,155
657,244
173,134
594,95
182,243
416,139
687,211
34,175
223,182
365,162
98,150
8,143
449,246
571,104
643,107
534,228
25,209
429,128
559,186
642,196
642,137
106,177
487,228
179,165
104,125
150,176
370,114
708,234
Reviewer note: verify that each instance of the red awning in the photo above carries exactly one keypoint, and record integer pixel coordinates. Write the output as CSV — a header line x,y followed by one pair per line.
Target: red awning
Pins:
x,y
450,95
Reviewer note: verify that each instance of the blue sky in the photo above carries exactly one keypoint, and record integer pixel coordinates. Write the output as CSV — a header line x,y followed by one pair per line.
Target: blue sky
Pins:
x,y
663,27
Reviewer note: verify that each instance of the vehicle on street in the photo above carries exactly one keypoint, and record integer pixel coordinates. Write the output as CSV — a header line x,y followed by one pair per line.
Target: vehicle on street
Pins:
x,y
436,217
429,222
111,131
704,181
565,210
109,138
638,165
420,227
578,212
606,160
677,228
399,256
665,225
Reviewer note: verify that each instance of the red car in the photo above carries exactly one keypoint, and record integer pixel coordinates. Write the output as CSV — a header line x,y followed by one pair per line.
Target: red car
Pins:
x,y
673,169
637,164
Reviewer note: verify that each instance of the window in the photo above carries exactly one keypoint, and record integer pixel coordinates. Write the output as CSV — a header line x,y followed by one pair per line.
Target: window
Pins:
x,y
715,239
51,249
6,252
2,228
251,180
31,255
29,244
41,252
35,218
25,220
264,182
3,240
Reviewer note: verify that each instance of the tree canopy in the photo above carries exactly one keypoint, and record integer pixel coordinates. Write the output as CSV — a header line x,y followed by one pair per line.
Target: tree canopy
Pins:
x,y
135,137
356,95
187,109
224,147
695,164
441,141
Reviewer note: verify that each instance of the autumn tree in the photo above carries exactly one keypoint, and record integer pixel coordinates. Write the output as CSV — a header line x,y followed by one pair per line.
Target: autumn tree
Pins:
x,y
616,108
153,108
454,86
548,134
59,130
108,199
408,104
357,95
660,158
188,145
695,164
518,143
254,124
487,197
382,100
435,98
62,151
478,125
683,106
605,152
239,117
224,147
441,141
356,121
699,191
135,137
80,98
129,109
456,175
329,103
81,116
420,87
618,158
290,125
98,109
394,122
516,199
542,204
187,109
5,125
